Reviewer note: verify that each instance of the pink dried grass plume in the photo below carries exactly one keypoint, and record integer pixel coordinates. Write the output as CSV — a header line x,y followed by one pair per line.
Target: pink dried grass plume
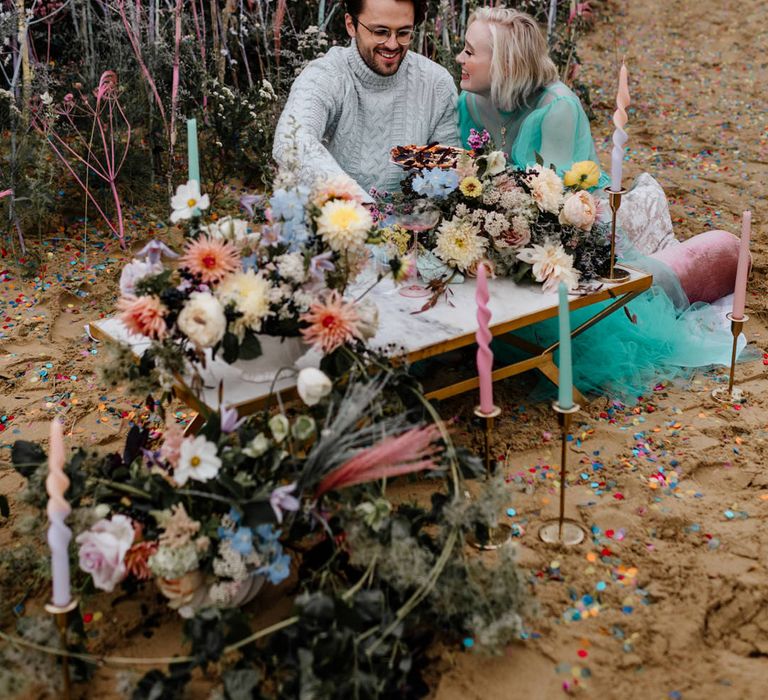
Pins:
x,y
332,322
144,316
413,451
210,258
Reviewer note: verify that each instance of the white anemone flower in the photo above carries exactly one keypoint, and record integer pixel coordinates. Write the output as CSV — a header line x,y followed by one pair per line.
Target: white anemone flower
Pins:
x,y
198,460
186,200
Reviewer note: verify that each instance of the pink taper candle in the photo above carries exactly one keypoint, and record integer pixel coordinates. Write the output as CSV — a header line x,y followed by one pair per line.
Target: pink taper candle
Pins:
x,y
483,338
740,288
619,135
59,534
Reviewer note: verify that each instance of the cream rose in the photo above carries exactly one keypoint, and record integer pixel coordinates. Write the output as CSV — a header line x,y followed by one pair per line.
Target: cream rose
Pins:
x,y
546,189
202,320
103,549
579,210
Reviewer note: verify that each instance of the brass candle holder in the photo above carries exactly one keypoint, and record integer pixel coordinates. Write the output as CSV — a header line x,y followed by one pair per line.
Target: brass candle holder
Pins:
x,y
489,420
615,274
61,615
722,394
501,533
562,530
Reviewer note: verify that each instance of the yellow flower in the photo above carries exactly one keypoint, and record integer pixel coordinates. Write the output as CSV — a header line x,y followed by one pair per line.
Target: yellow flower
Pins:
x,y
398,237
471,187
343,224
583,175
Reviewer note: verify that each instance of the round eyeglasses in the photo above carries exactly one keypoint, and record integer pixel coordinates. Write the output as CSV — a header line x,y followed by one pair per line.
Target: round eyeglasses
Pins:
x,y
381,34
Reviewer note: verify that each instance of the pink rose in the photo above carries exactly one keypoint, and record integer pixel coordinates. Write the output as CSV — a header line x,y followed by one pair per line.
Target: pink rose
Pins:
x,y
579,210
516,236
103,549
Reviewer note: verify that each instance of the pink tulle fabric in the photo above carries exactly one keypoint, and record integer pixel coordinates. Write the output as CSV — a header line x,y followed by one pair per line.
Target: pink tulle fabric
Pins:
x,y
705,264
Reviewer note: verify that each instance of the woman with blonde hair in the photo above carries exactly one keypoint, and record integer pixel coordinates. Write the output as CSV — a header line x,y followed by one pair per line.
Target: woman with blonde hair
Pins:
x,y
510,87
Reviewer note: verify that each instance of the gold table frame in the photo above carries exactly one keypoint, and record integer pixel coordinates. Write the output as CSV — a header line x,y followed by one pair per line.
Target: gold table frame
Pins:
x,y
541,358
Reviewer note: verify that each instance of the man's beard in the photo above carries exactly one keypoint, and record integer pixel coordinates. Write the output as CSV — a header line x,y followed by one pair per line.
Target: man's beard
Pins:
x,y
376,63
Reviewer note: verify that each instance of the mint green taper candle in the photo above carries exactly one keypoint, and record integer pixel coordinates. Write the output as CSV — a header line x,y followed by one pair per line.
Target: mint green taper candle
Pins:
x,y
192,154
565,385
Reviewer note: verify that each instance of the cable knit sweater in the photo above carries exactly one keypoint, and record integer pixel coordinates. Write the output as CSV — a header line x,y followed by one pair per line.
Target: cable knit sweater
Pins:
x,y
343,117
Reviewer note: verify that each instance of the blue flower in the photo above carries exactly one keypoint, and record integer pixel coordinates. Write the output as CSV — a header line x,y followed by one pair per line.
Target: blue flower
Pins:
x,y
278,570
267,533
288,204
293,232
242,541
436,182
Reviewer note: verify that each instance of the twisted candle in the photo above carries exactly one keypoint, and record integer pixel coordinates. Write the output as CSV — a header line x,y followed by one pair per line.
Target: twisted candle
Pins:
x,y
59,535
483,338
742,271
620,137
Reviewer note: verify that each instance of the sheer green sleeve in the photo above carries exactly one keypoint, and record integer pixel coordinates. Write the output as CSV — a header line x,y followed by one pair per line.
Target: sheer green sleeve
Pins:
x,y
466,122
559,132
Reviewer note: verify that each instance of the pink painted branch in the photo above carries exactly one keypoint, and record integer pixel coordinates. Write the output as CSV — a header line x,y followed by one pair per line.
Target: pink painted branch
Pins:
x,y
103,121
137,52
85,188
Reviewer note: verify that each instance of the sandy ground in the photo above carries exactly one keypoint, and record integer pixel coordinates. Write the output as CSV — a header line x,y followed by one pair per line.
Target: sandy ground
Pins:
x,y
668,596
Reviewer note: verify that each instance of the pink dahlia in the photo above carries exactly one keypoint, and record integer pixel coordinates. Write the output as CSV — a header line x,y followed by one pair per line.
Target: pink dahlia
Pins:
x,y
144,315
210,258
136,559
332,323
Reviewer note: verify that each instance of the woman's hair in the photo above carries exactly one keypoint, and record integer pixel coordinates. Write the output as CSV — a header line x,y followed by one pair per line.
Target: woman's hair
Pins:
x,y
520,63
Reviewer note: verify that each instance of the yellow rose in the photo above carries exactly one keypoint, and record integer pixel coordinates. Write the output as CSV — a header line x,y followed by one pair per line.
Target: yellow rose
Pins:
x,y
583,175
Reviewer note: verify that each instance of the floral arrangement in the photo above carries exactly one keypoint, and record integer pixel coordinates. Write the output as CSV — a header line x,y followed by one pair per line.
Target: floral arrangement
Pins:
x,y
300,498
519,220
280,273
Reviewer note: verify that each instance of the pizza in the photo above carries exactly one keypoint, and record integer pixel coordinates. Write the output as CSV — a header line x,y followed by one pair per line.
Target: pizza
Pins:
x,y
433,155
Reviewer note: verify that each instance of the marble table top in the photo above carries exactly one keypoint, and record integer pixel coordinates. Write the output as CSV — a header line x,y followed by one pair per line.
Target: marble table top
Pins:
x,y
451,323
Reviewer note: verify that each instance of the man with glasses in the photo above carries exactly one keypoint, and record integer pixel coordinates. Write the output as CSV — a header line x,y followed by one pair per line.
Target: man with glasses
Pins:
x,y
347,109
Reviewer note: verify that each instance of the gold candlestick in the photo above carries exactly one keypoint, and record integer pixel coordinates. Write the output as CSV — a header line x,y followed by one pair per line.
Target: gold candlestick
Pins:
x,y
560,530
615,274
489,419
727,395
502,532
61,615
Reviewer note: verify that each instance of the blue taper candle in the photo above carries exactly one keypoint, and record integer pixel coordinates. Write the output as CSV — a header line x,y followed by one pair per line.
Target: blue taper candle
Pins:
x,y
565,384
192,153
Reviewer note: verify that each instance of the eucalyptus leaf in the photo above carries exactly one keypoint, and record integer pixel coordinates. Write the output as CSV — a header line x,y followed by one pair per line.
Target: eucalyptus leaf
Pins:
x,y
239,684
27,457
250,349
230,347
430,268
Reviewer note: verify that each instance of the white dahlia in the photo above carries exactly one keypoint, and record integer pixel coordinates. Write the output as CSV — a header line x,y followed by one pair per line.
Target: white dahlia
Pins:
x,y
344,224
459,243
551,265
547,189
250,294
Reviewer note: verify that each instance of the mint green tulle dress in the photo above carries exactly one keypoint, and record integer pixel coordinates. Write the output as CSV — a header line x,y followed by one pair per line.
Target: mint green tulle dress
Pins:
x,y
553,125
669,337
